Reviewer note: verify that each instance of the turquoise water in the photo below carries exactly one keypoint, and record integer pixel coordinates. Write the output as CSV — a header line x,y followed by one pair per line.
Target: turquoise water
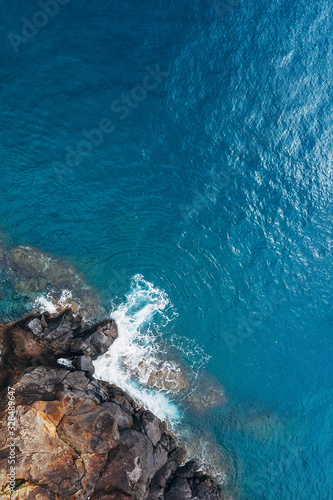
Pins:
x,y
215,185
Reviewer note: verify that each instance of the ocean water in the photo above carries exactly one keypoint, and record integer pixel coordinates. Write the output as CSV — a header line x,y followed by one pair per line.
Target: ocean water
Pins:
x,y
203,210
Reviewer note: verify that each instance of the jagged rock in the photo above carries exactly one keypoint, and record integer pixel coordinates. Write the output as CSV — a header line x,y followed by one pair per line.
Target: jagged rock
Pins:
x,y
179,490
45,337
122,417
165,474
131,468
36,326
152,427
94,431
79,438
104,336
28,492
188,484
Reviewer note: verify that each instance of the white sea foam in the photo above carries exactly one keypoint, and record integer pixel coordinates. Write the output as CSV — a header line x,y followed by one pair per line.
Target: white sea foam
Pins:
x,y
137,350
67,363
49,304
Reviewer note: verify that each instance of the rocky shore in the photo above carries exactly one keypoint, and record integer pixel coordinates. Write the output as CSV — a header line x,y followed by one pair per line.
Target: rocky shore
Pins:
x,y
76,437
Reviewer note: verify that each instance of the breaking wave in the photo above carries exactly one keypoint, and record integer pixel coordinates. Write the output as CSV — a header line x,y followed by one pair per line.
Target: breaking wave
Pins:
x,y
140,360
137,352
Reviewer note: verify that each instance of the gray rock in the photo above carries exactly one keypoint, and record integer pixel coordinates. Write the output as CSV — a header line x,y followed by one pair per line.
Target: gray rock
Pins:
x,y
131,467
152,426
179,490
35,326
122,418
76,380
84,363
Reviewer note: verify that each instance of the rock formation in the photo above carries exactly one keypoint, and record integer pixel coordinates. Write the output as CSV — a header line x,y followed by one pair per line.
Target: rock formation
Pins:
x,y
28,273
76,437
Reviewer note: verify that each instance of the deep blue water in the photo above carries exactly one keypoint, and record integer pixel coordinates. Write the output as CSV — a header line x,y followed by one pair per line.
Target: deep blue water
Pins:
x,y
216,187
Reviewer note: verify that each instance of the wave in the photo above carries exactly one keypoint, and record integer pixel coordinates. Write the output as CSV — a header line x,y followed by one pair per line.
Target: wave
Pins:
x,y
137,354
47,303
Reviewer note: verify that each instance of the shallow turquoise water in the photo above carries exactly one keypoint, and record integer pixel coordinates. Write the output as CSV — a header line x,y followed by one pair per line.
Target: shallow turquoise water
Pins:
x,y
216,188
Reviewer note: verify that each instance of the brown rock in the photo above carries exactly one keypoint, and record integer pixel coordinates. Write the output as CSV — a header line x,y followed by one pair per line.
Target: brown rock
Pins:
x,y
31,492
54,410
94,466
94,432
26,345
42,457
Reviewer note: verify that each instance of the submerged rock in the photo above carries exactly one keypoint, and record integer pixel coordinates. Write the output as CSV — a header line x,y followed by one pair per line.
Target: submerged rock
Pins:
x,y
262,423
79,438
34,274
166,376
2,253
30,286
31,262
207,393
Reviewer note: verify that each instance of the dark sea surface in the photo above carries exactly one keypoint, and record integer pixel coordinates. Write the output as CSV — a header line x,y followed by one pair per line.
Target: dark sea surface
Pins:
x,y
203,215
